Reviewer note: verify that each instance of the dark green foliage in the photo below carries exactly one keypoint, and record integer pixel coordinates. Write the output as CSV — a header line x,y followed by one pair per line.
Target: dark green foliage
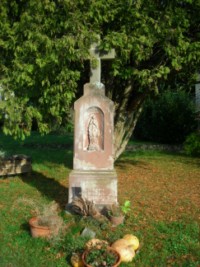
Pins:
x,y
101,257
192,144
40,62
72,243
44,46
168,119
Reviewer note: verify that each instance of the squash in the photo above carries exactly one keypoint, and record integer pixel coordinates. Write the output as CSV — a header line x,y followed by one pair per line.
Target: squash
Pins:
x,y
76,260
121,243
95,243
133,241
125,250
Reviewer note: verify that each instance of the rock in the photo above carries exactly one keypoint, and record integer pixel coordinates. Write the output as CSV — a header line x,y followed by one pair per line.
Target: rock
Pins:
x,y
88,233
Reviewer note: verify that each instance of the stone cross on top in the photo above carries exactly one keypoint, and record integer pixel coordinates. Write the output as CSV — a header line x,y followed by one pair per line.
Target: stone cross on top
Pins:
x,y
95,71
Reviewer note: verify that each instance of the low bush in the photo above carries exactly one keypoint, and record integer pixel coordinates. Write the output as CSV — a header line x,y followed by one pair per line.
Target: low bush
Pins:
x,y
192,144
167,119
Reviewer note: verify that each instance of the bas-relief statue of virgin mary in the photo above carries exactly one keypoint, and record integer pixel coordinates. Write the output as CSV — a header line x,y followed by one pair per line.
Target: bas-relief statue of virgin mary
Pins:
x,y
93,134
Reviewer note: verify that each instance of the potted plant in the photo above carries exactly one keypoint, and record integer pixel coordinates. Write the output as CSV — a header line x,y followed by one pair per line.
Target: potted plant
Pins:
x,y
117,213
47,223
101,256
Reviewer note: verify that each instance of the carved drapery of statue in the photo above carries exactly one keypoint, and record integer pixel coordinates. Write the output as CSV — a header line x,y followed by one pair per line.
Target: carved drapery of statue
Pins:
x,y
94,129
93,134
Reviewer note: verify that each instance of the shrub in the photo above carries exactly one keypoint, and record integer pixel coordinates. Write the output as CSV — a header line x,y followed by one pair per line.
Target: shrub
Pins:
x,y
168,119
192,144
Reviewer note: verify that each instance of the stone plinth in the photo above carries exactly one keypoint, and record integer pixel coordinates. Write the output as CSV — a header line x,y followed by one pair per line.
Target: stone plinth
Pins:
x,y
98,186
93,175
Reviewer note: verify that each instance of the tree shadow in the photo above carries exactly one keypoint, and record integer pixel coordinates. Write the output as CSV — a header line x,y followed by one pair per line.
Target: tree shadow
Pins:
x,y
189,160
124,163
49,187
52,156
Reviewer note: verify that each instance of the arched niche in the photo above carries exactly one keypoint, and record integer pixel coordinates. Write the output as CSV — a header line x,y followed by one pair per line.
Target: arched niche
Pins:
x,y
93,139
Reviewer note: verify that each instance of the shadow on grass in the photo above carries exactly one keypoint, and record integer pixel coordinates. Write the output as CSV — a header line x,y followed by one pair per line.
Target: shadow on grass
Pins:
x,y
129,159
139,157
50,157
25,227
189,160
49,187
124,163
55,149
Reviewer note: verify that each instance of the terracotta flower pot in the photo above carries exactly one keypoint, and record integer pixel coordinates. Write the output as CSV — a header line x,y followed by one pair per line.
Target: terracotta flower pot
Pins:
x,y
116,220
38,230
109,249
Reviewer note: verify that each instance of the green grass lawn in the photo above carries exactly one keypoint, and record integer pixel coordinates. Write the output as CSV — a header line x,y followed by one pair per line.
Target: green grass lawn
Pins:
x,y
163,189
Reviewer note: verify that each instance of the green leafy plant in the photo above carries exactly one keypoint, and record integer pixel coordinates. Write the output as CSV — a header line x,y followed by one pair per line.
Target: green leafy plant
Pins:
x,y
104,256
126,207
119,210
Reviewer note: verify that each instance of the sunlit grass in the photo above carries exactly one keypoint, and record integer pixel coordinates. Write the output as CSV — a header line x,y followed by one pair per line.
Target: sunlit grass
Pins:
x,y
162,188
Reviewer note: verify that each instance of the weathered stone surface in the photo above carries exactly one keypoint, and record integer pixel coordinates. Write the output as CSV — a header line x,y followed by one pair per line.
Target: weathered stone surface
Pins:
x,y
97,186
93,176
15,164
95,53
93,147
87,232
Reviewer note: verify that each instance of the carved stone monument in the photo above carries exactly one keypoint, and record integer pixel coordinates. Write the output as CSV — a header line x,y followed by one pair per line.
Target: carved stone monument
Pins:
x,y
93,176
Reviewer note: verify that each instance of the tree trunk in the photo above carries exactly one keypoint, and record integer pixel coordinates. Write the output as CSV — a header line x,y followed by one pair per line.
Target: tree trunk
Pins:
x,y
126,117
128,107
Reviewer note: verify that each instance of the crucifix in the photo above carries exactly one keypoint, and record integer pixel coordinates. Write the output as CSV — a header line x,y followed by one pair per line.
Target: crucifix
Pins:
x,y
95,53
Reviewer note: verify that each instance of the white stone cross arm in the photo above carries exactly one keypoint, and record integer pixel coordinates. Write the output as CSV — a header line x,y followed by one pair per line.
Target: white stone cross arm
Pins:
x,y
95,53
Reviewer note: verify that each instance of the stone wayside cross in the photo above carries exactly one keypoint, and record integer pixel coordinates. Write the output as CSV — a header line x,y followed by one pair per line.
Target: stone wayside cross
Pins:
x,y
93,176
95,53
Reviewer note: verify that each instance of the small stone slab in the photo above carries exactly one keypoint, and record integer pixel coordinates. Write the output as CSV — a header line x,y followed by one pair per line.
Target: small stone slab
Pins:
x,y
87,232
15,164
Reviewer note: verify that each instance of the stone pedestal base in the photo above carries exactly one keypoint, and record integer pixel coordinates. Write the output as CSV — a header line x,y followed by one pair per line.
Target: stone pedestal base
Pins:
x,y
97,186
